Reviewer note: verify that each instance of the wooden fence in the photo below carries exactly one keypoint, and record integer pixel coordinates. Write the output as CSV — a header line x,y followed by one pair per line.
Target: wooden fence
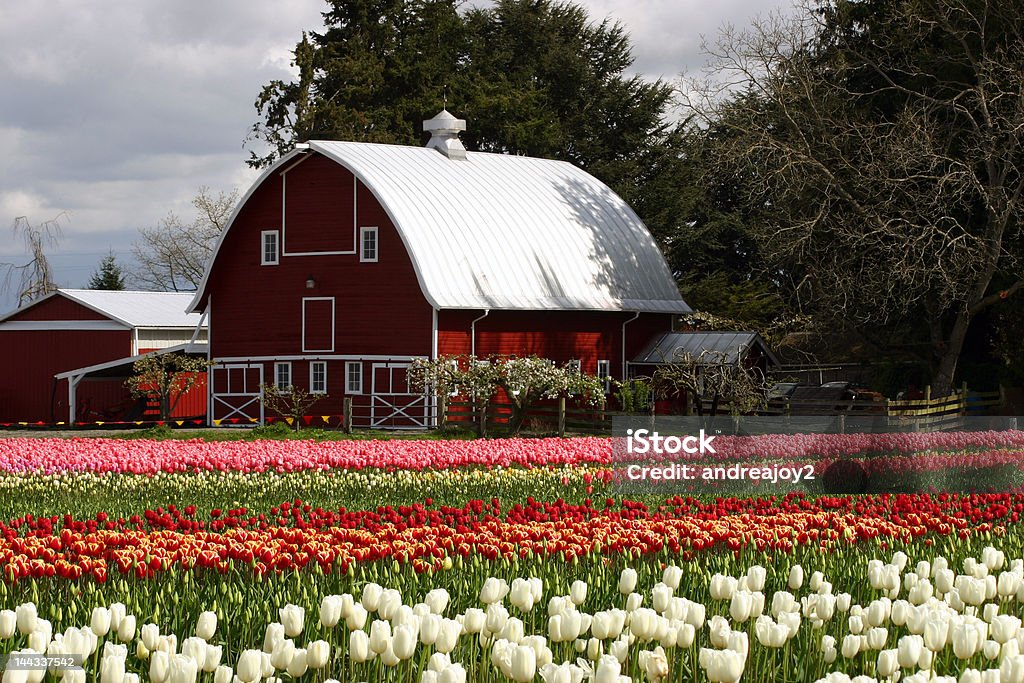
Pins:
x,y
925,414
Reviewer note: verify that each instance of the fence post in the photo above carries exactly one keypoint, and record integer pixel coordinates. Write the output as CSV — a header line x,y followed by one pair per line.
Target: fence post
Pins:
x,y
561,416
963,398
928,393
346,416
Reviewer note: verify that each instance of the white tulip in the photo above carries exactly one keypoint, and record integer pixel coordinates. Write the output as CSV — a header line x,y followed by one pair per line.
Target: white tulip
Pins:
x,y
8,624
851,646
437,600
195,648
474,620
524,664
212,659
371,597
380,634
722,666
250,666
223,674
497,615
608,670
627,581
494,590
672,576
282,654
740,606
634,602
330,610
404,641
796,577
718,631
100,622
756,576
448,636
274,635
293,618
26,618
909,650
359,646
966,642
356,618
151,636
453,674
126,628
159,667
318,654
521,595
887,663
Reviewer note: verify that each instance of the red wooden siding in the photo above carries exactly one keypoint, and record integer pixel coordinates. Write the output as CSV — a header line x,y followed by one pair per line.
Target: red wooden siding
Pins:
x,y
318,208
560,335
35,356
256,311
59,308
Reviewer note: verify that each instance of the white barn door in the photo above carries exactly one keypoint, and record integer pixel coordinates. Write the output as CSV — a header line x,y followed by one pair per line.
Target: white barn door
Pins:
x,y
235,394
392,404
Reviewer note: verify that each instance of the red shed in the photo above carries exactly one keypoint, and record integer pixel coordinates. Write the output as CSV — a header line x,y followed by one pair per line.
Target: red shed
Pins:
x,y
76,328
345,261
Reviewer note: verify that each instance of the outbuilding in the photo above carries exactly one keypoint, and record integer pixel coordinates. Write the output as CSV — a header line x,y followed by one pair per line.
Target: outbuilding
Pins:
x,y
73,330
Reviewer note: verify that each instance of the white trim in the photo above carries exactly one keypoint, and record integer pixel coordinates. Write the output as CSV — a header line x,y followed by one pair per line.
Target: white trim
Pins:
x,y
333,323
433,333
25,325
277,376
368,230
312,381
607,376
234,214
335,356
284,244
263,247
185,348
348,387
622,340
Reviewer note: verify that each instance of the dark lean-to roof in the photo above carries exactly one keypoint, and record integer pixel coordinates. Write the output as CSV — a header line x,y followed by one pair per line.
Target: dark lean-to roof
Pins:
x,y
717,347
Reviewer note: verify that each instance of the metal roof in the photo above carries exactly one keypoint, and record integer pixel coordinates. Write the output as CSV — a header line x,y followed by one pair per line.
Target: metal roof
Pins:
x,y
122,367
130,308
728,346
494,231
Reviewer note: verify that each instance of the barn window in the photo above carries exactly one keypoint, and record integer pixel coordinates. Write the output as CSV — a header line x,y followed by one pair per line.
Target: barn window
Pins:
x,y
282,376
353,377
318,377
269,256
604,372
575,365
368,245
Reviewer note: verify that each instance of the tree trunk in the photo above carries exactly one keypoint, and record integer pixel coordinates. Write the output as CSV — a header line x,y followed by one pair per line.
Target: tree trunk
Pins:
x,y
949,355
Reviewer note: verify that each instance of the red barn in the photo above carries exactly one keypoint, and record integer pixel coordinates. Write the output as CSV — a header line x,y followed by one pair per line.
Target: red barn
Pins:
x,y
345,261
72,329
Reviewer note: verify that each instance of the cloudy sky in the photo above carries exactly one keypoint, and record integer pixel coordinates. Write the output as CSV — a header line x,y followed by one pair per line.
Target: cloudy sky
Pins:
x,y
114,113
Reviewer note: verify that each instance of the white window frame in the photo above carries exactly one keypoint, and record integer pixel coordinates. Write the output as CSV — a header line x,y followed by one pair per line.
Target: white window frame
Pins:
x,y
350,388
278,367
576,365
334,323
363,232
264,261
604,372
313,365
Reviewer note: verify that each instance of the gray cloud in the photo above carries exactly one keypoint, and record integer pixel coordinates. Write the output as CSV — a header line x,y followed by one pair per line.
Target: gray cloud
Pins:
x,y
116,112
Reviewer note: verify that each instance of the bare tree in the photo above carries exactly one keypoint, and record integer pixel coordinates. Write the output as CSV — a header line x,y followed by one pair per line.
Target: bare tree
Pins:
x,y
711,376
173,255
883,141
291,402
34,278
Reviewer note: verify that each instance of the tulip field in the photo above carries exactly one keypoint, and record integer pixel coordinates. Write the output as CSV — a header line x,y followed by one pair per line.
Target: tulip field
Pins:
x,y
508,560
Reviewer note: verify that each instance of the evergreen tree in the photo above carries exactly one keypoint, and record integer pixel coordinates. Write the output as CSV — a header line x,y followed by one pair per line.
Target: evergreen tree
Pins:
x,y
109,276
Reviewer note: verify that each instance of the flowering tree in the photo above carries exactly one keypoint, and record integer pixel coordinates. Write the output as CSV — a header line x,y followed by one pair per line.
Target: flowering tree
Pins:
x,y
165,377
291,402
524,381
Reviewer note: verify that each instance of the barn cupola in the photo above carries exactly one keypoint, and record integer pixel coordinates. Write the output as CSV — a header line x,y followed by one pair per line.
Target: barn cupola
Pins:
x,y
444,132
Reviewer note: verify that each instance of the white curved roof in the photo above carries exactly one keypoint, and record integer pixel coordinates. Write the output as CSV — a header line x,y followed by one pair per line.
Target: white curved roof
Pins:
x,y
496,231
